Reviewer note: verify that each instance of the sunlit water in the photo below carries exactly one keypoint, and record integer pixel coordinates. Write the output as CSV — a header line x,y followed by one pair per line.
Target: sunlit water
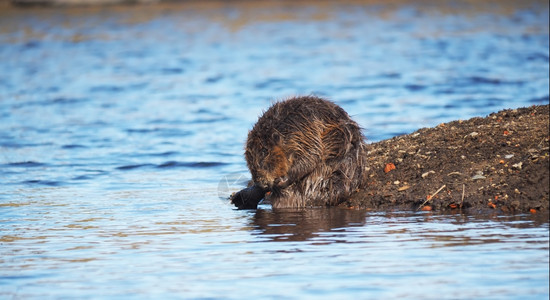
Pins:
x,y
122,132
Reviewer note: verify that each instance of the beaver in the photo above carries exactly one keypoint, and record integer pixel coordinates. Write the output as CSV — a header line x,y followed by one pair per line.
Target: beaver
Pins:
x,y
303,151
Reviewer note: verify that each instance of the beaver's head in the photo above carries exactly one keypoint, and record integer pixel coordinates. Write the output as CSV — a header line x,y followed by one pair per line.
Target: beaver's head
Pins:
x,y
267,160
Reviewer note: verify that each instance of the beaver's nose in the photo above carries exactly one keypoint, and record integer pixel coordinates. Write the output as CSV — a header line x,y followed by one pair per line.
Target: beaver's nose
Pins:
x,y
262,184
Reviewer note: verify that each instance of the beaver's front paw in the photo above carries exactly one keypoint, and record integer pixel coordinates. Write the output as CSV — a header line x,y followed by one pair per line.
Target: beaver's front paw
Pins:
x,y
248,198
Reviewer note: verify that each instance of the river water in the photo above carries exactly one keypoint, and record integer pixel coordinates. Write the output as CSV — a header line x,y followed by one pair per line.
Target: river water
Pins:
x,y
122,132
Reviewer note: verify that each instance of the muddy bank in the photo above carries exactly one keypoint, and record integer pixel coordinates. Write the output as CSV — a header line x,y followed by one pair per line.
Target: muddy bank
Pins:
x,y
497,163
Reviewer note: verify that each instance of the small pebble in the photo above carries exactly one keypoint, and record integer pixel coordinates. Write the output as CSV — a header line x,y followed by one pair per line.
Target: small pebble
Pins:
x,y
477,177
518,165
427,174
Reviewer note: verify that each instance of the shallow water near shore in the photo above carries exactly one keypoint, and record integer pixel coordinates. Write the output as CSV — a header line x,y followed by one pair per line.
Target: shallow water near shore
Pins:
x,y
122,132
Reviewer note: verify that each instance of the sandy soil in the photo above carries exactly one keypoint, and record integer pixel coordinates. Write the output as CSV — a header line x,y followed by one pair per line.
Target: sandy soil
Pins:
x,y
497,163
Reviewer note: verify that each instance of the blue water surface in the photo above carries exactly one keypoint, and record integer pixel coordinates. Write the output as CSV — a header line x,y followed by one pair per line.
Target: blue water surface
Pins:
x,y
122,132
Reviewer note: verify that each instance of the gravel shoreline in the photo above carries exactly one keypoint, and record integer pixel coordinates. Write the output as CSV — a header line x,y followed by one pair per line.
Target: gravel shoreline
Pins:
x,y
497,163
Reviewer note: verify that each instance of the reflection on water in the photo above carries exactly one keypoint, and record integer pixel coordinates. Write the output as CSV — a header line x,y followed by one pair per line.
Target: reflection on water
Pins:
x,y
304,224
119,124
329,223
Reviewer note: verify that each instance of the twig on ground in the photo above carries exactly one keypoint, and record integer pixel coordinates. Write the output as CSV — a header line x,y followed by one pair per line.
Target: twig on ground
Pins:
x,y
430,197
462,200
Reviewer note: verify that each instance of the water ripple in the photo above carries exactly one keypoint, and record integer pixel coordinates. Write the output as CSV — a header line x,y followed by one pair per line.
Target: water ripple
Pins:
x,y
174,164
25,164
200,164
132,167
43,182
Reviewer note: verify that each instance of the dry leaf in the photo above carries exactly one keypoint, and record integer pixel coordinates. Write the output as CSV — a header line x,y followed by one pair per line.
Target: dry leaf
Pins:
x,y
389,167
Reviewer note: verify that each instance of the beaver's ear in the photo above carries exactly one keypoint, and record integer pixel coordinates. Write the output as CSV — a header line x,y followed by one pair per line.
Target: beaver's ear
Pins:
x,y
276,137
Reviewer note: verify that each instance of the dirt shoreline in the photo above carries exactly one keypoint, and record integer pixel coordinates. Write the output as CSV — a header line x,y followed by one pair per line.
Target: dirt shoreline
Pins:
x,y
499,163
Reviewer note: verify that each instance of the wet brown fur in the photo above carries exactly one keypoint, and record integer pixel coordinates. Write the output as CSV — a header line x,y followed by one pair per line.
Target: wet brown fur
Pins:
x,y
307,152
